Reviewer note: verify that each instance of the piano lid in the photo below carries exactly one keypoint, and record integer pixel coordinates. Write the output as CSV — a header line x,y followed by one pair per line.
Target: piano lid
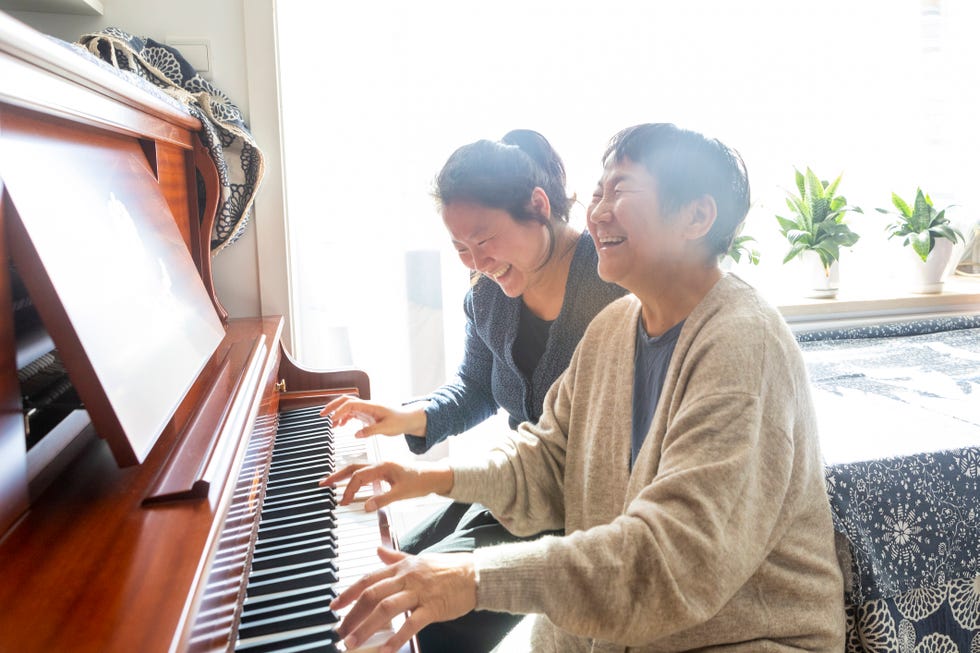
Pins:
x,y
101,255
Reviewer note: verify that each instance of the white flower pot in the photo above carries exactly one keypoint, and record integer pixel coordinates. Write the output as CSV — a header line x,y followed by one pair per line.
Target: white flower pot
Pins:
x,y
928,275
823,282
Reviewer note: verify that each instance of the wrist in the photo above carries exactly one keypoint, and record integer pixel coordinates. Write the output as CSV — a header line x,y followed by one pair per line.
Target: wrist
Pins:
x,y
442,479
417,422
473,575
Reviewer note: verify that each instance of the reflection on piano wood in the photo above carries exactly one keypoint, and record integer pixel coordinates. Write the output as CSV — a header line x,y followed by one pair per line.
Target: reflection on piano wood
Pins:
x,y
138,422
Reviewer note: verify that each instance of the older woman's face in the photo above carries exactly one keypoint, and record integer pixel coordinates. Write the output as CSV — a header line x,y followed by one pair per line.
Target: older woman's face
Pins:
x,y
491,242
637,243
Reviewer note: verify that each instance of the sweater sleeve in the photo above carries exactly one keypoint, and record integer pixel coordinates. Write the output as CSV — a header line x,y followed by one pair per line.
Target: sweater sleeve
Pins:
x,y
521,479
683,547
468,400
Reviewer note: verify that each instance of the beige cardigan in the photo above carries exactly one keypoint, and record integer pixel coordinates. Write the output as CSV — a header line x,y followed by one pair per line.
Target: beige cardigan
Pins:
x,y
720,539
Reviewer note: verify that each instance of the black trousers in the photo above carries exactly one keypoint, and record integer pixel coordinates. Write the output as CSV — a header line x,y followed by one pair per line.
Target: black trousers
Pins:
x,y
462,527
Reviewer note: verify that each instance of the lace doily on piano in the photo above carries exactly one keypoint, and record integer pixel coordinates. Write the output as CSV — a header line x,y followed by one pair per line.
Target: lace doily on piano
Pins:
x,y
230,143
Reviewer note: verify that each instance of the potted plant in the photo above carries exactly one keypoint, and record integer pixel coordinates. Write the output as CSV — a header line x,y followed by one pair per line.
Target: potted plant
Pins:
x,y
930,235
740,247
816,230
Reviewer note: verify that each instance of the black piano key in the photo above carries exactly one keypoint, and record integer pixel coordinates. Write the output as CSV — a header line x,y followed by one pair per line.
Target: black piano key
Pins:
x,y
304,489
297,469
301,513
276,573
297,554
304,512
321,639
286,440
298,413
305,443
307,469
298,436
257,607
272,540
298,505
306,410
256,604
303,505
298,481
298,618
288,616
287,491
296,454
302,526
290,439
273,546
303,428
293,581
310,454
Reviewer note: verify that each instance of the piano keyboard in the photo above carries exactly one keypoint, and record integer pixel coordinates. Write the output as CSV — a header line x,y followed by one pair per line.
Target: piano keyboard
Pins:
x,y
307,550
294,570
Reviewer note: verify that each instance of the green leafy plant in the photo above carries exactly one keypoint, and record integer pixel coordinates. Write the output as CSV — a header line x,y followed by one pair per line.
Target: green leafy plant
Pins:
x,y
816,222
921,224
740,247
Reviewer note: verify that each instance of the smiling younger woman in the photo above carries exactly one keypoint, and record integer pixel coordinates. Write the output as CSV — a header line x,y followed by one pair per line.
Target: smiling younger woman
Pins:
x,y
535,291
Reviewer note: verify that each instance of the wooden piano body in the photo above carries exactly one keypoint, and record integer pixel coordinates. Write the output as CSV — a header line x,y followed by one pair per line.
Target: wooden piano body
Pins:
x,y
110,521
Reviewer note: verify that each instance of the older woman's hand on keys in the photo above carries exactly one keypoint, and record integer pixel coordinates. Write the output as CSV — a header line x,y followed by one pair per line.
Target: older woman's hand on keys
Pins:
x,y
436,587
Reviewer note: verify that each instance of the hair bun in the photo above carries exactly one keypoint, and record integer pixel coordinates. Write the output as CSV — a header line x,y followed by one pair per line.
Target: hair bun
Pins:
x,y
540,150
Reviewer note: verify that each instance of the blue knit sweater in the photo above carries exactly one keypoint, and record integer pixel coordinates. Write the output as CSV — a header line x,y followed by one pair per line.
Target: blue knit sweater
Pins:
x,y
488,377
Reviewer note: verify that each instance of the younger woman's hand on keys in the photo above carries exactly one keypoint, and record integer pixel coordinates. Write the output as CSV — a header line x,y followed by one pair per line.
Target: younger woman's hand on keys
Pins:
x,y
377,419
404,481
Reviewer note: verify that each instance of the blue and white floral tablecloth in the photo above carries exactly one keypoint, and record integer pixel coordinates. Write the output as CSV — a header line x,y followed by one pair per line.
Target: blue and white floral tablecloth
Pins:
x,y
899,410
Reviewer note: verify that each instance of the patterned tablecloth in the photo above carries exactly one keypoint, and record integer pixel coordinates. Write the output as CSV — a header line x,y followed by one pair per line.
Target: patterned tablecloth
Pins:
x,y
899,411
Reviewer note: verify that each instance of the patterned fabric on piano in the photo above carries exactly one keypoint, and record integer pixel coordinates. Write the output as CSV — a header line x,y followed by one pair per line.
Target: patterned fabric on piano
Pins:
x,y
230,143
908,518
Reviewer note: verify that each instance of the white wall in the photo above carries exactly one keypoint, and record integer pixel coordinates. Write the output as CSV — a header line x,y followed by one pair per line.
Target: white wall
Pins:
x,y
221,22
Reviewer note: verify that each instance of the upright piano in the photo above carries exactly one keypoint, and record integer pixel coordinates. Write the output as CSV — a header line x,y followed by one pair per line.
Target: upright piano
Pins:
x,y
158,460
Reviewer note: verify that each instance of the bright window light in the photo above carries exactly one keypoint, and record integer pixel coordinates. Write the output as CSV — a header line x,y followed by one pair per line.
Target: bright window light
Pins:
x,y
375,96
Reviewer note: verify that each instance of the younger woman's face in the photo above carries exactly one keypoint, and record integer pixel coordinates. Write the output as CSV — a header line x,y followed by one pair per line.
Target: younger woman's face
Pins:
x,y
493,243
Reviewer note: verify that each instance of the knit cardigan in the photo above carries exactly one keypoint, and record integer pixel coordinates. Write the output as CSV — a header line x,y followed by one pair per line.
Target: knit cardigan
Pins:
x,y
720,539
488,378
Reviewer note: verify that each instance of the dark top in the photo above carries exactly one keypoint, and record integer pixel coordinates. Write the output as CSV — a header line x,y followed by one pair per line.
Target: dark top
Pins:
x,y
489,377
532,338
650,369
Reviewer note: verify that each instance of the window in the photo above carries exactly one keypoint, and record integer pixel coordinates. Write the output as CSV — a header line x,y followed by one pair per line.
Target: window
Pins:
x,y
375,96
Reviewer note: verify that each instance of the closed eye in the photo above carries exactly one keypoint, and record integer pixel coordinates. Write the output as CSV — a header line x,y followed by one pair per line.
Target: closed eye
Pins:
x,y
626,191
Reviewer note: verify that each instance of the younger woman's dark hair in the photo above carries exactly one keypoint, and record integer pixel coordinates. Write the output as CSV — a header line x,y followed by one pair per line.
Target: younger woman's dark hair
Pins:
x,y
688,165
503,174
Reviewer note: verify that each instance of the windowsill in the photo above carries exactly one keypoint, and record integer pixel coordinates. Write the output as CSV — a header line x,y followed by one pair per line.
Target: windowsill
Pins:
x,y
855,306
